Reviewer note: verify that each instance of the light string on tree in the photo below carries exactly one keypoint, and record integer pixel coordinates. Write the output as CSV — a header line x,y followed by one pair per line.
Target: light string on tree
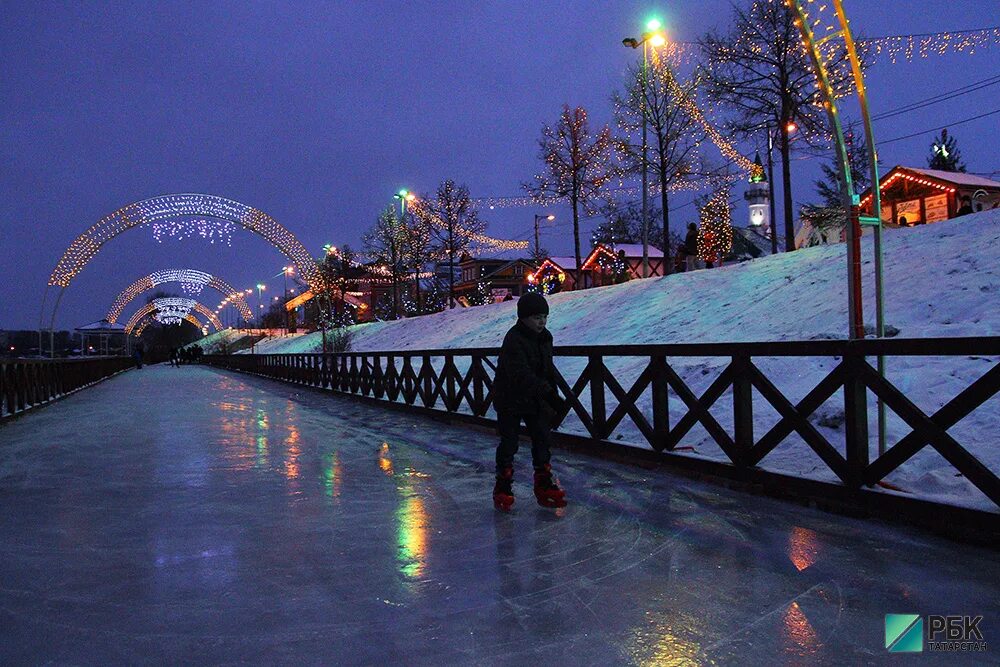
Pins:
x,y
715,237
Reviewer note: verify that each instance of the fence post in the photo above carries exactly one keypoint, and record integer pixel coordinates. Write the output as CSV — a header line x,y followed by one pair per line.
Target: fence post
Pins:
x,y
855,416
598,408
742,407
661,401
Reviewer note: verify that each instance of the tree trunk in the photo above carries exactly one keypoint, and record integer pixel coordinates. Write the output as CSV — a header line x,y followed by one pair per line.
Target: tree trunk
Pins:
x,y
451,266
576,241
667,266
786,175
416,286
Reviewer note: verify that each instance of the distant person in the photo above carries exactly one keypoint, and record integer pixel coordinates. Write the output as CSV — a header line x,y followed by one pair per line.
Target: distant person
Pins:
x,y
173,357
137,354
525,390
966,207
691,248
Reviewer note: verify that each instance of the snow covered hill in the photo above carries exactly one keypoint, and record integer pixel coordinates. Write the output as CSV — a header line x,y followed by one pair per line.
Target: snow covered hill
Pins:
x,y
940,280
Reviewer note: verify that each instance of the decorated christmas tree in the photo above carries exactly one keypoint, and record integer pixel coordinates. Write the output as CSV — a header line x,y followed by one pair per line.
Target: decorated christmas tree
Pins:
x,y
715,237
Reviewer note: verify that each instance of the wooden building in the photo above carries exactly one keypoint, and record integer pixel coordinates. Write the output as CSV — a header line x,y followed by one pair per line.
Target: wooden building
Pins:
x,y
912,196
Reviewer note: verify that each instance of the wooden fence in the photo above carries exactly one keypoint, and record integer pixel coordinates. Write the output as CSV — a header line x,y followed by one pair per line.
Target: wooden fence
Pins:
x,y
431,379
28,383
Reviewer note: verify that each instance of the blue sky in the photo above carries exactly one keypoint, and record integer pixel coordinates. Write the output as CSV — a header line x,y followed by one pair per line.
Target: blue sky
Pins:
x,y
317,112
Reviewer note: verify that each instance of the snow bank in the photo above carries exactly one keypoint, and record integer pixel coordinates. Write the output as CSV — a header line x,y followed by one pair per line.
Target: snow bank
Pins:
x,y
940,280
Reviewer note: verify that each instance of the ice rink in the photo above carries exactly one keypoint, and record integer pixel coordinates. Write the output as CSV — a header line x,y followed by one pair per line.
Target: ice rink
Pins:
x,y
195,516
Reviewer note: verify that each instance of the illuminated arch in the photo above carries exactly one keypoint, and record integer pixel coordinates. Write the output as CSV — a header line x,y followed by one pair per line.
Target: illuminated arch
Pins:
x,y
190,277
146,321
172,305
165,207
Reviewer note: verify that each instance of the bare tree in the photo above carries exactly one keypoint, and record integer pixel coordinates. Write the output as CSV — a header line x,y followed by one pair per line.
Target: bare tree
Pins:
x,y
454,225
385,244
674,133
578,168
418,250
761,72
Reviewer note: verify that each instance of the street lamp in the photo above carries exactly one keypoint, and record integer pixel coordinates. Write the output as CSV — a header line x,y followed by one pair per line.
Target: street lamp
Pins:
x,y
403,196
539,218
653,35
260,288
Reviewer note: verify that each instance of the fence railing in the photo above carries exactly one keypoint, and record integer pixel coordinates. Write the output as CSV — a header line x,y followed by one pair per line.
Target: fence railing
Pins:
x,y
432,379
28,383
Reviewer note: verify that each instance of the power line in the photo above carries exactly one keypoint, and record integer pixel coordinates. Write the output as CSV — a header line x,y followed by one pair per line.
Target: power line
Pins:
x,y
964,90
935,129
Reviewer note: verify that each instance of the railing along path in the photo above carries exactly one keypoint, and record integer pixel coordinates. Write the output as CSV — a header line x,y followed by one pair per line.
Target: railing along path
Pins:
x,y
410,377
28,383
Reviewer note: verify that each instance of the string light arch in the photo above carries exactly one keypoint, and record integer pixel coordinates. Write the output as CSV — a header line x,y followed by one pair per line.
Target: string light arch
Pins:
x,y
146,321
171,308
192,282
164,209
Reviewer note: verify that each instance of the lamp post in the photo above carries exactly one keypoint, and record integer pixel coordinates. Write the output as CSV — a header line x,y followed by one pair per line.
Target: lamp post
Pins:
x,y
260,305
654,36
539,218
405,196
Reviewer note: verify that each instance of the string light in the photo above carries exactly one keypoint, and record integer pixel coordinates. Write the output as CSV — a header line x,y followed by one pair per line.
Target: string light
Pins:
x,y
192,281
686,101
487,243
185,229
172,207
907,177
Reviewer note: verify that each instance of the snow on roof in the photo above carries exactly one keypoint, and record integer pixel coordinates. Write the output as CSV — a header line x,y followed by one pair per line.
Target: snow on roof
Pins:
x,y
956,177
103,326
635,250
564,262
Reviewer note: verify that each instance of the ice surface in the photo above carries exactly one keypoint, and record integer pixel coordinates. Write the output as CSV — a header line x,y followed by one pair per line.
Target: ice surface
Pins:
x,y
191,516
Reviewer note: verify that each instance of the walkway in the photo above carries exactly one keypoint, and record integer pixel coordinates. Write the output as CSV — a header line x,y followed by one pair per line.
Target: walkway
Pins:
x,y
195,516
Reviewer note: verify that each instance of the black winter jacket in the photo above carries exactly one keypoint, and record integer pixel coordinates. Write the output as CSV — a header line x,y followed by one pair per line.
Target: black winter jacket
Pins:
x,y
525,374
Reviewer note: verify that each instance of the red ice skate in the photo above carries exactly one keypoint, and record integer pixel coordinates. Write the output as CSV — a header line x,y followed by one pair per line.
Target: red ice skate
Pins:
x,y
503,494
547,490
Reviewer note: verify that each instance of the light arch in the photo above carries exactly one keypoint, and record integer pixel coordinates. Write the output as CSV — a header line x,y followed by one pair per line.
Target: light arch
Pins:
x,y
163,207
155,305
147,283
146,321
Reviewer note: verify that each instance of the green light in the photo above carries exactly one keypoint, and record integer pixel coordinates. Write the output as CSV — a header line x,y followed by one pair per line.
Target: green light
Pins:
x,y
403,193
653,25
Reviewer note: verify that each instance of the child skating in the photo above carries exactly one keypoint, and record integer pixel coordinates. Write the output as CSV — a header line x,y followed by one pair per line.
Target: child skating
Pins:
x,y
525,390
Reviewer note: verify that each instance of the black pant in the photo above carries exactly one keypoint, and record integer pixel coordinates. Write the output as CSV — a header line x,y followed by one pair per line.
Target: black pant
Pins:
x,y
509,427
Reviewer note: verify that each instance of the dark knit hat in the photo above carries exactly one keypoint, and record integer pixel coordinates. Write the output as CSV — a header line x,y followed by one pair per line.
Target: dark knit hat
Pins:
x,y
530,304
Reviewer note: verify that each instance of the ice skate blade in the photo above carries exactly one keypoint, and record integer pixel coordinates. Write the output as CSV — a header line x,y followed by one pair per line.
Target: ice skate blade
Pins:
x,y
552,502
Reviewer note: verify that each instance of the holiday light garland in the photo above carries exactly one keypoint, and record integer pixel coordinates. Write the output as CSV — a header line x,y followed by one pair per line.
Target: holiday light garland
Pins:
x,y
182,206
691,107
192,281
898,48
488,243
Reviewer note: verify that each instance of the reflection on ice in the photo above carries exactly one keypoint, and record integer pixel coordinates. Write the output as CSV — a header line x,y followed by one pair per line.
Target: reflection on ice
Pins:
x,y
803,547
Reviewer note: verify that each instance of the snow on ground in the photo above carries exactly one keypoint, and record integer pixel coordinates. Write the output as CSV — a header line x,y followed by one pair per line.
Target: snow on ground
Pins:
x,y
940,280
